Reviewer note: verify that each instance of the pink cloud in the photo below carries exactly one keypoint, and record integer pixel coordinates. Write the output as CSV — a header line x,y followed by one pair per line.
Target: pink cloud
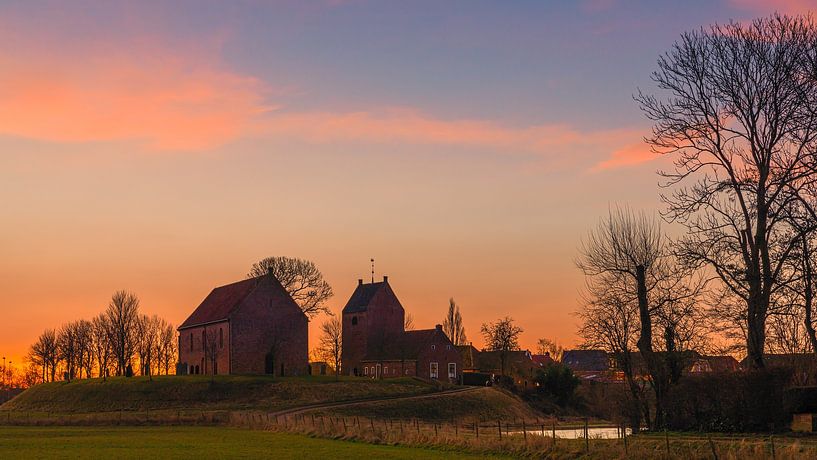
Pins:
x,y
770,6
631,155
165,100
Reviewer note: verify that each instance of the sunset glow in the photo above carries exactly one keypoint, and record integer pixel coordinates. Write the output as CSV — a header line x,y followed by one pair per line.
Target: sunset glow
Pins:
x,y
465,146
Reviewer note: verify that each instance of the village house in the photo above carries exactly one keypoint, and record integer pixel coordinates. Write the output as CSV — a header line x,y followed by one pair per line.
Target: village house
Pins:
x,y
480,367
250,327
376,344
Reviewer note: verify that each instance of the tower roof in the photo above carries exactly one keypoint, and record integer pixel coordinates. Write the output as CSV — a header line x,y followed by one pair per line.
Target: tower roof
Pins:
x,y
362,297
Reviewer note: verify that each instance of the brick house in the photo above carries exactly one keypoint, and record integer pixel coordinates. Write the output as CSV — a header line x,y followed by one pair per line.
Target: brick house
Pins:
x,y
258,328
376,344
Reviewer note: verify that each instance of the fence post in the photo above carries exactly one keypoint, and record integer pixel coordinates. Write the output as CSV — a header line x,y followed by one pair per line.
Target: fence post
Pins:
x,y
771,441
712,446
586,437
624,432
525,432
435,430
499,428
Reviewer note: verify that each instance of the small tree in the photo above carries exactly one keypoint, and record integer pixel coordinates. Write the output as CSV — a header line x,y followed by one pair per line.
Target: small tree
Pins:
x,y
452,325
408,322
558,382
101,344
501,336
547,346
331,343
301,279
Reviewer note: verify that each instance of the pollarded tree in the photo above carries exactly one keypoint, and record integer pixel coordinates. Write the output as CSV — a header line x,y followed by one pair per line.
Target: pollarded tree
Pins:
x,y
738,111
452,324
301,279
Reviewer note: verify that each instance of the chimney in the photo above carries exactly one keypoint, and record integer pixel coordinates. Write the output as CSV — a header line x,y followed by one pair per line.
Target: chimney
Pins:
x,y
359,281
385,279
439,327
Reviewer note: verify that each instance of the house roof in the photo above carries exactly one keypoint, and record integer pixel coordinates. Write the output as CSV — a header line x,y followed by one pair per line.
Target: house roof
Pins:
x,y
785,360
362,296
722,363
586,360
542,360
221,302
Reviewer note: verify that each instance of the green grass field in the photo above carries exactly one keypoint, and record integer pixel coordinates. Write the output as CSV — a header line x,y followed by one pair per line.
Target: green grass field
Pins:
x,y
202,392
190,442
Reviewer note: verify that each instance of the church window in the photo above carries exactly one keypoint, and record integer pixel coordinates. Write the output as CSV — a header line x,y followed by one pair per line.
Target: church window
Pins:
x,y
220,337
354,321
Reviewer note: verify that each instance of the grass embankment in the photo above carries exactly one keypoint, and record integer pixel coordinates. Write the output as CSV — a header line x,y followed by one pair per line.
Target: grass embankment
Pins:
x,y
479,404
190,442
201,392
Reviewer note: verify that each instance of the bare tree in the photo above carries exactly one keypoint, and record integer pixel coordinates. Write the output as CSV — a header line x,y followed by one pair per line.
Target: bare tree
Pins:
x,y
45,352
408,322
739,113
68,343
331,343
301,279
166,352
609,321
627,253
452,325
121,316
550,347
147,337
101,344
501,336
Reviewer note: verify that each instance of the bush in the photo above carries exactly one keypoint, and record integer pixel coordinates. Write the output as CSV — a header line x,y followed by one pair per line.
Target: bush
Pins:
x,y
557,382
731,402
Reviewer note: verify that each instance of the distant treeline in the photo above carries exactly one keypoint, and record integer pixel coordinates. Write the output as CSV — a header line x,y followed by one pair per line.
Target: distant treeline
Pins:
x,y
116,342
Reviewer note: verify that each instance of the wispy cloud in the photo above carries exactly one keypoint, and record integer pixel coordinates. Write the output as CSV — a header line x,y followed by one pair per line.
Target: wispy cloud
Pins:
x,y
770,6
145,93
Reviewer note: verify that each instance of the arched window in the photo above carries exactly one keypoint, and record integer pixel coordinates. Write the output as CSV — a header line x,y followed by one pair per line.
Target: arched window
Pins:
x,y
366,370
220,337
354,321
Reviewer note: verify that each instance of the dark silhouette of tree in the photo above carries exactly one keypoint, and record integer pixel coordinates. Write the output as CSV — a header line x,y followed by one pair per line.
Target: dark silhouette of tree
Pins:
x,y
627,259
101,335
45,353
331,343
501,336
121,316
452,325
738,111
301,279
408,322
547,346
211,349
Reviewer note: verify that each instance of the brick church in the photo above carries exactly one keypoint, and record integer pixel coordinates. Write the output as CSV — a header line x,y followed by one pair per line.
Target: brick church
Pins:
x,y
252,326
376,344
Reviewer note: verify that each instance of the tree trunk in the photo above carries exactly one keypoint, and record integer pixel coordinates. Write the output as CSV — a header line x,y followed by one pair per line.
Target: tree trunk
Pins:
x,y
808,295
634,409
656,370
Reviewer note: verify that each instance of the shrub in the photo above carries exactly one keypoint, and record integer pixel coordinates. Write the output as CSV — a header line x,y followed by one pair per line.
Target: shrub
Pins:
x,y
557,382
731,402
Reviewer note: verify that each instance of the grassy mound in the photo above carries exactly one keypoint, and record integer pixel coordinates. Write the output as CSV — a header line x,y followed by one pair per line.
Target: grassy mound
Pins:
x,y
202,392
479,404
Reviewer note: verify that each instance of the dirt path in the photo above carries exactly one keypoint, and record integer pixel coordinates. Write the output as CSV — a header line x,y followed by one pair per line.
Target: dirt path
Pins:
x,y
332,405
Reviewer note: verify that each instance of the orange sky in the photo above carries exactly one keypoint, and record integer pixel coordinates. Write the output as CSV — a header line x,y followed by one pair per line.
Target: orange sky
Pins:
x,y
163,150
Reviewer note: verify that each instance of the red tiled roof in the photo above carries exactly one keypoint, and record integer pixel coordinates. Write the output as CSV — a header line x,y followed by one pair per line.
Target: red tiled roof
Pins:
x,y
221,302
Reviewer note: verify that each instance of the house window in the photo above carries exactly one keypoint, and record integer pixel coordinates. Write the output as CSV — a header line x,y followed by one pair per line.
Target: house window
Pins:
x,y
433,371
434,347
354,321
448,347
366,370
406,371
220,337
452,370
385,370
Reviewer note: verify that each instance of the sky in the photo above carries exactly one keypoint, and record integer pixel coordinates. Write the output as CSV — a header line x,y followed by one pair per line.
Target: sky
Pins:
x,y
466,146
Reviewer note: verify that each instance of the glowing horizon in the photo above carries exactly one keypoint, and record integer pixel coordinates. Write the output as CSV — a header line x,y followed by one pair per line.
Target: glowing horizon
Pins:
x,y
466,146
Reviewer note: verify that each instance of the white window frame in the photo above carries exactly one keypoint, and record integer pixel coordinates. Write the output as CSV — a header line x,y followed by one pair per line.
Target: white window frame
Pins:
x,y
366,370
452,375
434,370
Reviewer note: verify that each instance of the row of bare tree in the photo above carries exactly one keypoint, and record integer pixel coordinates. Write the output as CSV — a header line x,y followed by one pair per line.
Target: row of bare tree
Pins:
x,y
109,344
737,112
